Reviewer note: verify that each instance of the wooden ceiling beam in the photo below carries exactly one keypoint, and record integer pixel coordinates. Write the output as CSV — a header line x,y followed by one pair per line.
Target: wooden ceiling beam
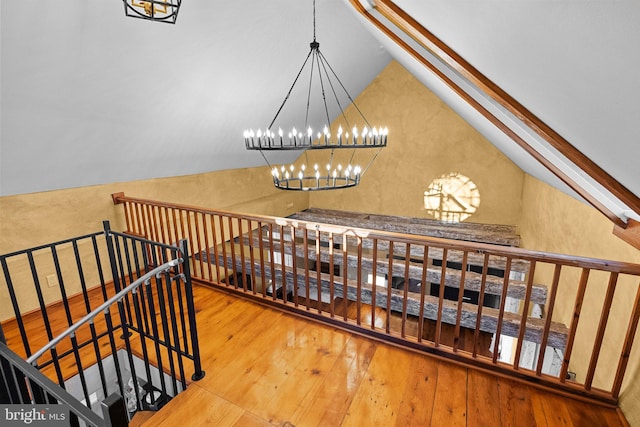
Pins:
x,y
430,42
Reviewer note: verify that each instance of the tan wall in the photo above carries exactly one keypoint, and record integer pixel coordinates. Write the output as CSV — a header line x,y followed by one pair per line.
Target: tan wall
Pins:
x,y
554,222
426,140
33,219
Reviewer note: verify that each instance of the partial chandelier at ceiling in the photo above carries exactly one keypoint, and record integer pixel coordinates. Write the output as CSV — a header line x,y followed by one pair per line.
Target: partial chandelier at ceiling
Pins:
x,y
153,10
333,171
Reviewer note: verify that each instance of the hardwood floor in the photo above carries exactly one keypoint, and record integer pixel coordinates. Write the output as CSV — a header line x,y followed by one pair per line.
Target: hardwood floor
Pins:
x,y
264,367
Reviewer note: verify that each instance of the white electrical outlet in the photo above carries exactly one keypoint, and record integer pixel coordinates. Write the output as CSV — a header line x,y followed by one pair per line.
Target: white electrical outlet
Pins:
x,y
52,280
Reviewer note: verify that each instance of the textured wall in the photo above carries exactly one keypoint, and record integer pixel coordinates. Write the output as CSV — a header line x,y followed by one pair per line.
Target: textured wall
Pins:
x,y
33,219
426,140
554,222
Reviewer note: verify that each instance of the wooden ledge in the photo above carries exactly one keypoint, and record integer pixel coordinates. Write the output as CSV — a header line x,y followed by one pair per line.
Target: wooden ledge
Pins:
x,y
631,234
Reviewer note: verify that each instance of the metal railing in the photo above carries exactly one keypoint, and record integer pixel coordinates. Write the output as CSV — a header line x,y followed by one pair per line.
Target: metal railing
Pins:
x,y
23,384
104,283
513,311
106,307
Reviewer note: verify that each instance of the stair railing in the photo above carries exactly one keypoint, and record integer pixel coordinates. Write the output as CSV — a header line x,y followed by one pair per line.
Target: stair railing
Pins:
x,y
106,307
23,384
149,283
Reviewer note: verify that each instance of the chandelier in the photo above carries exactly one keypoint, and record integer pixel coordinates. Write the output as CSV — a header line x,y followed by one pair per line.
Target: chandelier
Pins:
x,y
153,10
329,174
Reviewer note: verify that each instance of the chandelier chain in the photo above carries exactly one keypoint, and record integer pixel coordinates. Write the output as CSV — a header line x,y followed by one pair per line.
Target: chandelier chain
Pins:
x,y
324,61
314,20
290,90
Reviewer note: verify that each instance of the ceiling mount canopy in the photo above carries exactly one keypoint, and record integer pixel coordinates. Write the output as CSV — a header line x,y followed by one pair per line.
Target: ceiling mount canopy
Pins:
x,y
153,10
351,132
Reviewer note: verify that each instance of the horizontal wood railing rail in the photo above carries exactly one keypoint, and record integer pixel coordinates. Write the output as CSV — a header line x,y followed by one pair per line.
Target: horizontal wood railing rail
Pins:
x,y
524,321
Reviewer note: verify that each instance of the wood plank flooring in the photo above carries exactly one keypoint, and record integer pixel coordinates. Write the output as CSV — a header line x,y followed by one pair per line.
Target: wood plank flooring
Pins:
x,y
265,367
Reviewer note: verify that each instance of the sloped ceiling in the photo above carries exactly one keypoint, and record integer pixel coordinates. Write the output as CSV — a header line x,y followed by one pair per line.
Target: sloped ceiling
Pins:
x,y
90,96
544,55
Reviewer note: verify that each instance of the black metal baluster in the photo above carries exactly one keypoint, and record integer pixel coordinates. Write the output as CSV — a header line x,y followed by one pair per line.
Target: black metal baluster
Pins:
x,y
87,304
199,373
16,307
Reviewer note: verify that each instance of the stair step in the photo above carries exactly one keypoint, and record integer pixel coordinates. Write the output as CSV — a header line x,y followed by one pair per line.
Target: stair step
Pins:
x,y
140,418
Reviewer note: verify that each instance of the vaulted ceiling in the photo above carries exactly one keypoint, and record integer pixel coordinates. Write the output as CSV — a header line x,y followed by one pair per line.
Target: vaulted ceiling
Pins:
x,y
89,96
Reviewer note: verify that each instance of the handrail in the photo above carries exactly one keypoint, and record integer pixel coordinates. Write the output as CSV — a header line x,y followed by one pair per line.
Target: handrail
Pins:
x,y
37,380
506,251
452,60
332,272
104,307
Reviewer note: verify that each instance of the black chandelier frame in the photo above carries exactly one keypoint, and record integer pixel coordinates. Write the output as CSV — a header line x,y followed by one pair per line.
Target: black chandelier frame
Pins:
x,y
153,10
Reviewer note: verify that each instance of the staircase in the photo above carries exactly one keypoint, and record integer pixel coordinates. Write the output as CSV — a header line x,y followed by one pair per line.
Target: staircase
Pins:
x,y
128,335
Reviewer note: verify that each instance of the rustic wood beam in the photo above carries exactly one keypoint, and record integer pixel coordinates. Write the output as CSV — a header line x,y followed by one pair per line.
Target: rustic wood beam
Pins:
x,y
472,280
417,251
482,233
534,329
509,229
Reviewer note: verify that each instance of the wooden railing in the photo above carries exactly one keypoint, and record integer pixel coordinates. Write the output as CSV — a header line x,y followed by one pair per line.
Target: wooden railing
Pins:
x,y
459,300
